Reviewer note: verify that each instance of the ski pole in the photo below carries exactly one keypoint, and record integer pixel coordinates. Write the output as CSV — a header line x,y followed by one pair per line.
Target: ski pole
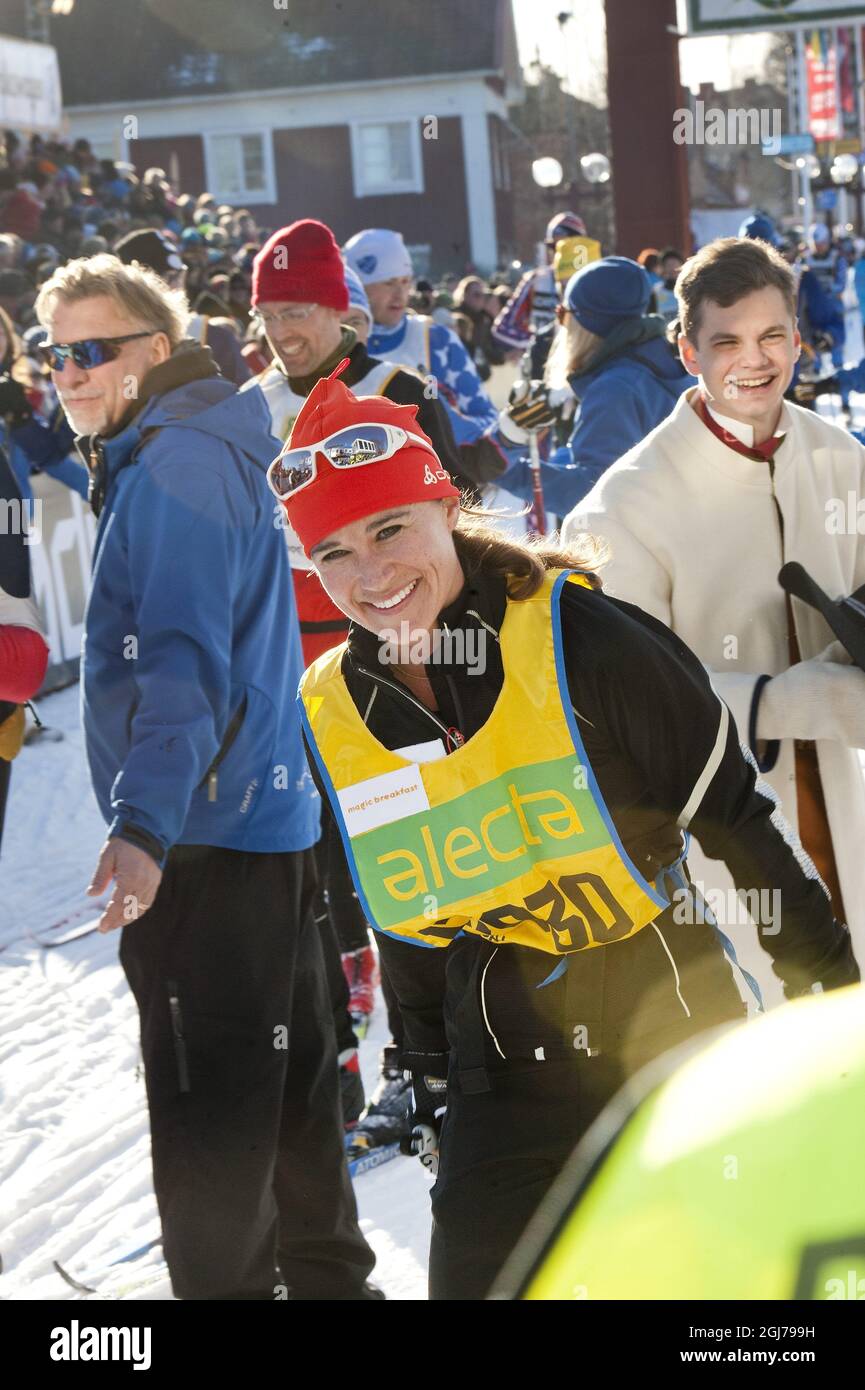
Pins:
x,y
539,514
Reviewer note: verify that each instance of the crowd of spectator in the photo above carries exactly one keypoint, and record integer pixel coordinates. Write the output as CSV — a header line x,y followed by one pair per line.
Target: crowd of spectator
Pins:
x,y
59,200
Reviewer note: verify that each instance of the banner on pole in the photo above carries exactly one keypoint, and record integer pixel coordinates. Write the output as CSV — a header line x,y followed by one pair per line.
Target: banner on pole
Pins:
x,y
821,60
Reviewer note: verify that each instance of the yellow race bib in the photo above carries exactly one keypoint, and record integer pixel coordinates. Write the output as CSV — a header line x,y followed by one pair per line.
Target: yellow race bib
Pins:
x,y
508,837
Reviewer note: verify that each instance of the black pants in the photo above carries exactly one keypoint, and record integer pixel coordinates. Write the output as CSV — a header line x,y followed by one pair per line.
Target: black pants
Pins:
x,y
500,1153
337,985
502,1149
242,1084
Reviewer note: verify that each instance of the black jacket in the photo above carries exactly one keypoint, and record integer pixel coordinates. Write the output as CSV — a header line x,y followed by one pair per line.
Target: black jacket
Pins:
x,y
650,723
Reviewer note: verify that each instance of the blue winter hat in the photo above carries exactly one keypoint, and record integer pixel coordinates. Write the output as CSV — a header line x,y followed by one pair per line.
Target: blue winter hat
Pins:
x,y
759,227
33,339
605,292
356,293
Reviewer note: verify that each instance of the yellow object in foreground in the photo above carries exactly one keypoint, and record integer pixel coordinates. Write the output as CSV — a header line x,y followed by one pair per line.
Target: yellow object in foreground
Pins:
x,y
740,1177
12,734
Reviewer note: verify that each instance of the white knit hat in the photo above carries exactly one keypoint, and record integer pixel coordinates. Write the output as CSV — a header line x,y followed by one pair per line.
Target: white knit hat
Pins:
x,y
377,254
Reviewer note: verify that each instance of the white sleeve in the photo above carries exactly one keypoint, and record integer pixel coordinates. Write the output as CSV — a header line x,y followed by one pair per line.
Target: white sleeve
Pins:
x,y
632,572
636,576
19,612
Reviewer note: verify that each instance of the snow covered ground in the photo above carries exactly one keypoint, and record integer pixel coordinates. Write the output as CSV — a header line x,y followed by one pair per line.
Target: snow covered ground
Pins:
x,y
75,1150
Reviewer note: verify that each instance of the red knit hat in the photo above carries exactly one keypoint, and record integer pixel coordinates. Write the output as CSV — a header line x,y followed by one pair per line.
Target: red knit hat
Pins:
x,y
338,496
300,263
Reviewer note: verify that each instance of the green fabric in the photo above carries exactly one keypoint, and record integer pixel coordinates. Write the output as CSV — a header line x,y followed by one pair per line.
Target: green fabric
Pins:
x,y
302,385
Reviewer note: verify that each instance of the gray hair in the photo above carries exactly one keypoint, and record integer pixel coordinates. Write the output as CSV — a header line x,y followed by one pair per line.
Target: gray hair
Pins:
x,y
136,290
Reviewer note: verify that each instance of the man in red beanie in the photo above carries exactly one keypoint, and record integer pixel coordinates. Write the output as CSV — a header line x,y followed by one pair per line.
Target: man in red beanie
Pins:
x,y
299,297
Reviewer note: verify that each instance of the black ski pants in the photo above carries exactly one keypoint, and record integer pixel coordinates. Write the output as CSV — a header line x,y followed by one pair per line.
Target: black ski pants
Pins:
x,y
502,1149
242,1084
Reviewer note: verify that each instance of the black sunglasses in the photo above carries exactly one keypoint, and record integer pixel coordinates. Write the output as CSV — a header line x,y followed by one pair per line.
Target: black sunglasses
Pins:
x,y
87,352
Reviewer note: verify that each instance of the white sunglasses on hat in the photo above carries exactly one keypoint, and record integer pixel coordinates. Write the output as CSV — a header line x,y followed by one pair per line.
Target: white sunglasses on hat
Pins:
x,y
354,446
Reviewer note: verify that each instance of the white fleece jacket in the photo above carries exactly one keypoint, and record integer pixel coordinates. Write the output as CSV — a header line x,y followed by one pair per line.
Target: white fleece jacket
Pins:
x,y
695,539
20,612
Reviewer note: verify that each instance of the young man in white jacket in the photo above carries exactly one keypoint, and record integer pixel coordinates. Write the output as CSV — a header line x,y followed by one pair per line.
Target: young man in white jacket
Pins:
x,y
700,517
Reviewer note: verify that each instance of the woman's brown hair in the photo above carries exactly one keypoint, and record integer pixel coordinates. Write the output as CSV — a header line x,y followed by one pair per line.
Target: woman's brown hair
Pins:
x,y
483,549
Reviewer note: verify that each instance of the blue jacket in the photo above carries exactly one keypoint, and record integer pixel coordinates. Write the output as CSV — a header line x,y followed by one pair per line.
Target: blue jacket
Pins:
x,y
191,656
46,449
453,369
622,397
818,310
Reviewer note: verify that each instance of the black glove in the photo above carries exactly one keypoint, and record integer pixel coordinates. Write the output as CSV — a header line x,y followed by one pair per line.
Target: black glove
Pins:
x,y
827,386
529,405
809,390
835,971
14,405
428,1112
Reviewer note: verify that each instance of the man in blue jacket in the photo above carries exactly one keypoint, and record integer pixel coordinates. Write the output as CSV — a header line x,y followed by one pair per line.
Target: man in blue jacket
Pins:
x,y
189,670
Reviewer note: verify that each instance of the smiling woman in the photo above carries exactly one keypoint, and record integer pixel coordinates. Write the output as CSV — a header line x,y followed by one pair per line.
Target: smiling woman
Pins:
x,y
533,800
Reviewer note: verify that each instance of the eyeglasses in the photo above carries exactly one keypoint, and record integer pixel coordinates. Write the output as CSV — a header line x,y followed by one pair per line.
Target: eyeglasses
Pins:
x,y
87,352
353,447
295,313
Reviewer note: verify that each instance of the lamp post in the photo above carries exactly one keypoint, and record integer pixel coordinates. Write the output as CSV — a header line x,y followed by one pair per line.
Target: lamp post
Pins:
x,y
548,174
844,173
595,168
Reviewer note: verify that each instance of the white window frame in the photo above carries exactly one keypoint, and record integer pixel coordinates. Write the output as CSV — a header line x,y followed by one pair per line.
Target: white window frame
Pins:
x,y
413,185
244,199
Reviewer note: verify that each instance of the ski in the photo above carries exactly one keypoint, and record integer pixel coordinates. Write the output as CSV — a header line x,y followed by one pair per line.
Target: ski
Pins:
x,y
137,1252
41,935
89,1284
111,1293
68,928
63,938
70,1279
373,1158
94,905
